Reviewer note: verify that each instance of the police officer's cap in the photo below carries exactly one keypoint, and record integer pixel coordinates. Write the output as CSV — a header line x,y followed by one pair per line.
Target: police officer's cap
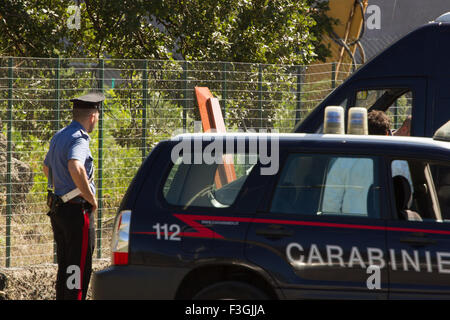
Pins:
x,y
92,100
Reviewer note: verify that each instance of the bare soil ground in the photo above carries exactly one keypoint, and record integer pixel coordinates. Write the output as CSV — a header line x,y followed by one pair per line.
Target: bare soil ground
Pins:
x,y
37,282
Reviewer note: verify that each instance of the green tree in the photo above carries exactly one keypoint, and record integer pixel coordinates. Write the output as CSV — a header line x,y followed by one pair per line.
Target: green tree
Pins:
x,y
263,31
252,31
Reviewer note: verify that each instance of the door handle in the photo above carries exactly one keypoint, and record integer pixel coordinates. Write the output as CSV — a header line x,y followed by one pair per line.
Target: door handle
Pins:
x,y
274,231
418,240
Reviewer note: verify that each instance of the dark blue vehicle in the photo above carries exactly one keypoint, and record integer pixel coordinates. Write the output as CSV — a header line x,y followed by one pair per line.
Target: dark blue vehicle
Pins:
x,y
284,227
416,68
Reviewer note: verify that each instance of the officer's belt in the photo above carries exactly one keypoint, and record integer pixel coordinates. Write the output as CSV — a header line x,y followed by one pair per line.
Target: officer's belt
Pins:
x,y
75,192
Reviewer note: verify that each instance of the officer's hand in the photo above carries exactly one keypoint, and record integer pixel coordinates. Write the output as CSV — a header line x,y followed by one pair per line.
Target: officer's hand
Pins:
x,y
79,177
94,205
91,199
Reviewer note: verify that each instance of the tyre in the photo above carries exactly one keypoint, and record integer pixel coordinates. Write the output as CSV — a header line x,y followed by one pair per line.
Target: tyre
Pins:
x,y
230,290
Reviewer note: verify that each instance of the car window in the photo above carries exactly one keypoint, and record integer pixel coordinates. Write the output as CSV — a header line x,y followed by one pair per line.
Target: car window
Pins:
x,y
396,102
401,167
367,98
399,111
208,185
414,191
328,185
441,178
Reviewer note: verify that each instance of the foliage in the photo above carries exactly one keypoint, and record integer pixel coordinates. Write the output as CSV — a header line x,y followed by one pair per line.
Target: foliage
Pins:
x,y
263,31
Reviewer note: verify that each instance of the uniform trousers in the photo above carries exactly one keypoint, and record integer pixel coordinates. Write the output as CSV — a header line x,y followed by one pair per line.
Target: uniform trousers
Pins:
x,y
74,234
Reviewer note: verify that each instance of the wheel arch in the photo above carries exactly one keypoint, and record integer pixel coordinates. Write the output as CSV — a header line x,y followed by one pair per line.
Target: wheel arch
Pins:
x,y
202,276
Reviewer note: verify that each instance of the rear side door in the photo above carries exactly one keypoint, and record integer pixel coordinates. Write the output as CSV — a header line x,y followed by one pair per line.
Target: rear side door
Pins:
x,y
191,209
322,227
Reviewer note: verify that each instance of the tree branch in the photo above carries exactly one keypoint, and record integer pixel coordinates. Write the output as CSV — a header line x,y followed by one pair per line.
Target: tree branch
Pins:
x,y
13,38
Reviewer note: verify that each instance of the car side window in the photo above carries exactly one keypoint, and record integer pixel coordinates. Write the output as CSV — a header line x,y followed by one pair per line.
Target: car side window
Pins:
x,y
396,102
400,114
401,168
208,185
441,178
415,195
328,185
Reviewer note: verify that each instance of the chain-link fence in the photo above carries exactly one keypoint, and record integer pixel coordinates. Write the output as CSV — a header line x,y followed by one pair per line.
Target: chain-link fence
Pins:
x,y
146,101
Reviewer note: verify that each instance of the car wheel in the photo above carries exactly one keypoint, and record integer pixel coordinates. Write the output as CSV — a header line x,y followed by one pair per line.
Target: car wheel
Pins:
x,y
230,290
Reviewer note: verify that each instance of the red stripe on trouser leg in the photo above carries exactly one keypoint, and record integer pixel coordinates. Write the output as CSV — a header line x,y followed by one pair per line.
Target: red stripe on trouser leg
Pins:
x,y
84,247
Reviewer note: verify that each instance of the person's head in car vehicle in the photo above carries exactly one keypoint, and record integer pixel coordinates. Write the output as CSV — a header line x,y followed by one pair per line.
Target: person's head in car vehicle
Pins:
x,y
380,124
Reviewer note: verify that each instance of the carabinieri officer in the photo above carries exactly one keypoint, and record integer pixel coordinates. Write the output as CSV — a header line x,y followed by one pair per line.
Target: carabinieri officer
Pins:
x,y
69,168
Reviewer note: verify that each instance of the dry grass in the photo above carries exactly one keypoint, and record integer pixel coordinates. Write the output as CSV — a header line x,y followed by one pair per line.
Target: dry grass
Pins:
x,y
32,237
37,282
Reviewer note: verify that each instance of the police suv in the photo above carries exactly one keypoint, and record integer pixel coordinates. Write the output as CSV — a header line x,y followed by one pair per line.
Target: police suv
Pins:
x,y
283,216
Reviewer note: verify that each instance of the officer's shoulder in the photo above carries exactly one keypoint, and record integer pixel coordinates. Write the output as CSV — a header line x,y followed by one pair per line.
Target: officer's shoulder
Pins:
x,y
80,133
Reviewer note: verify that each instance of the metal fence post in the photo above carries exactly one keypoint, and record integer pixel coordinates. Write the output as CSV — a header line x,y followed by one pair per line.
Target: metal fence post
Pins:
x,y
299,94
333,75
9,164
260,104
57,93
224,90
144,108
185,98
396,114
56,125
100,164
